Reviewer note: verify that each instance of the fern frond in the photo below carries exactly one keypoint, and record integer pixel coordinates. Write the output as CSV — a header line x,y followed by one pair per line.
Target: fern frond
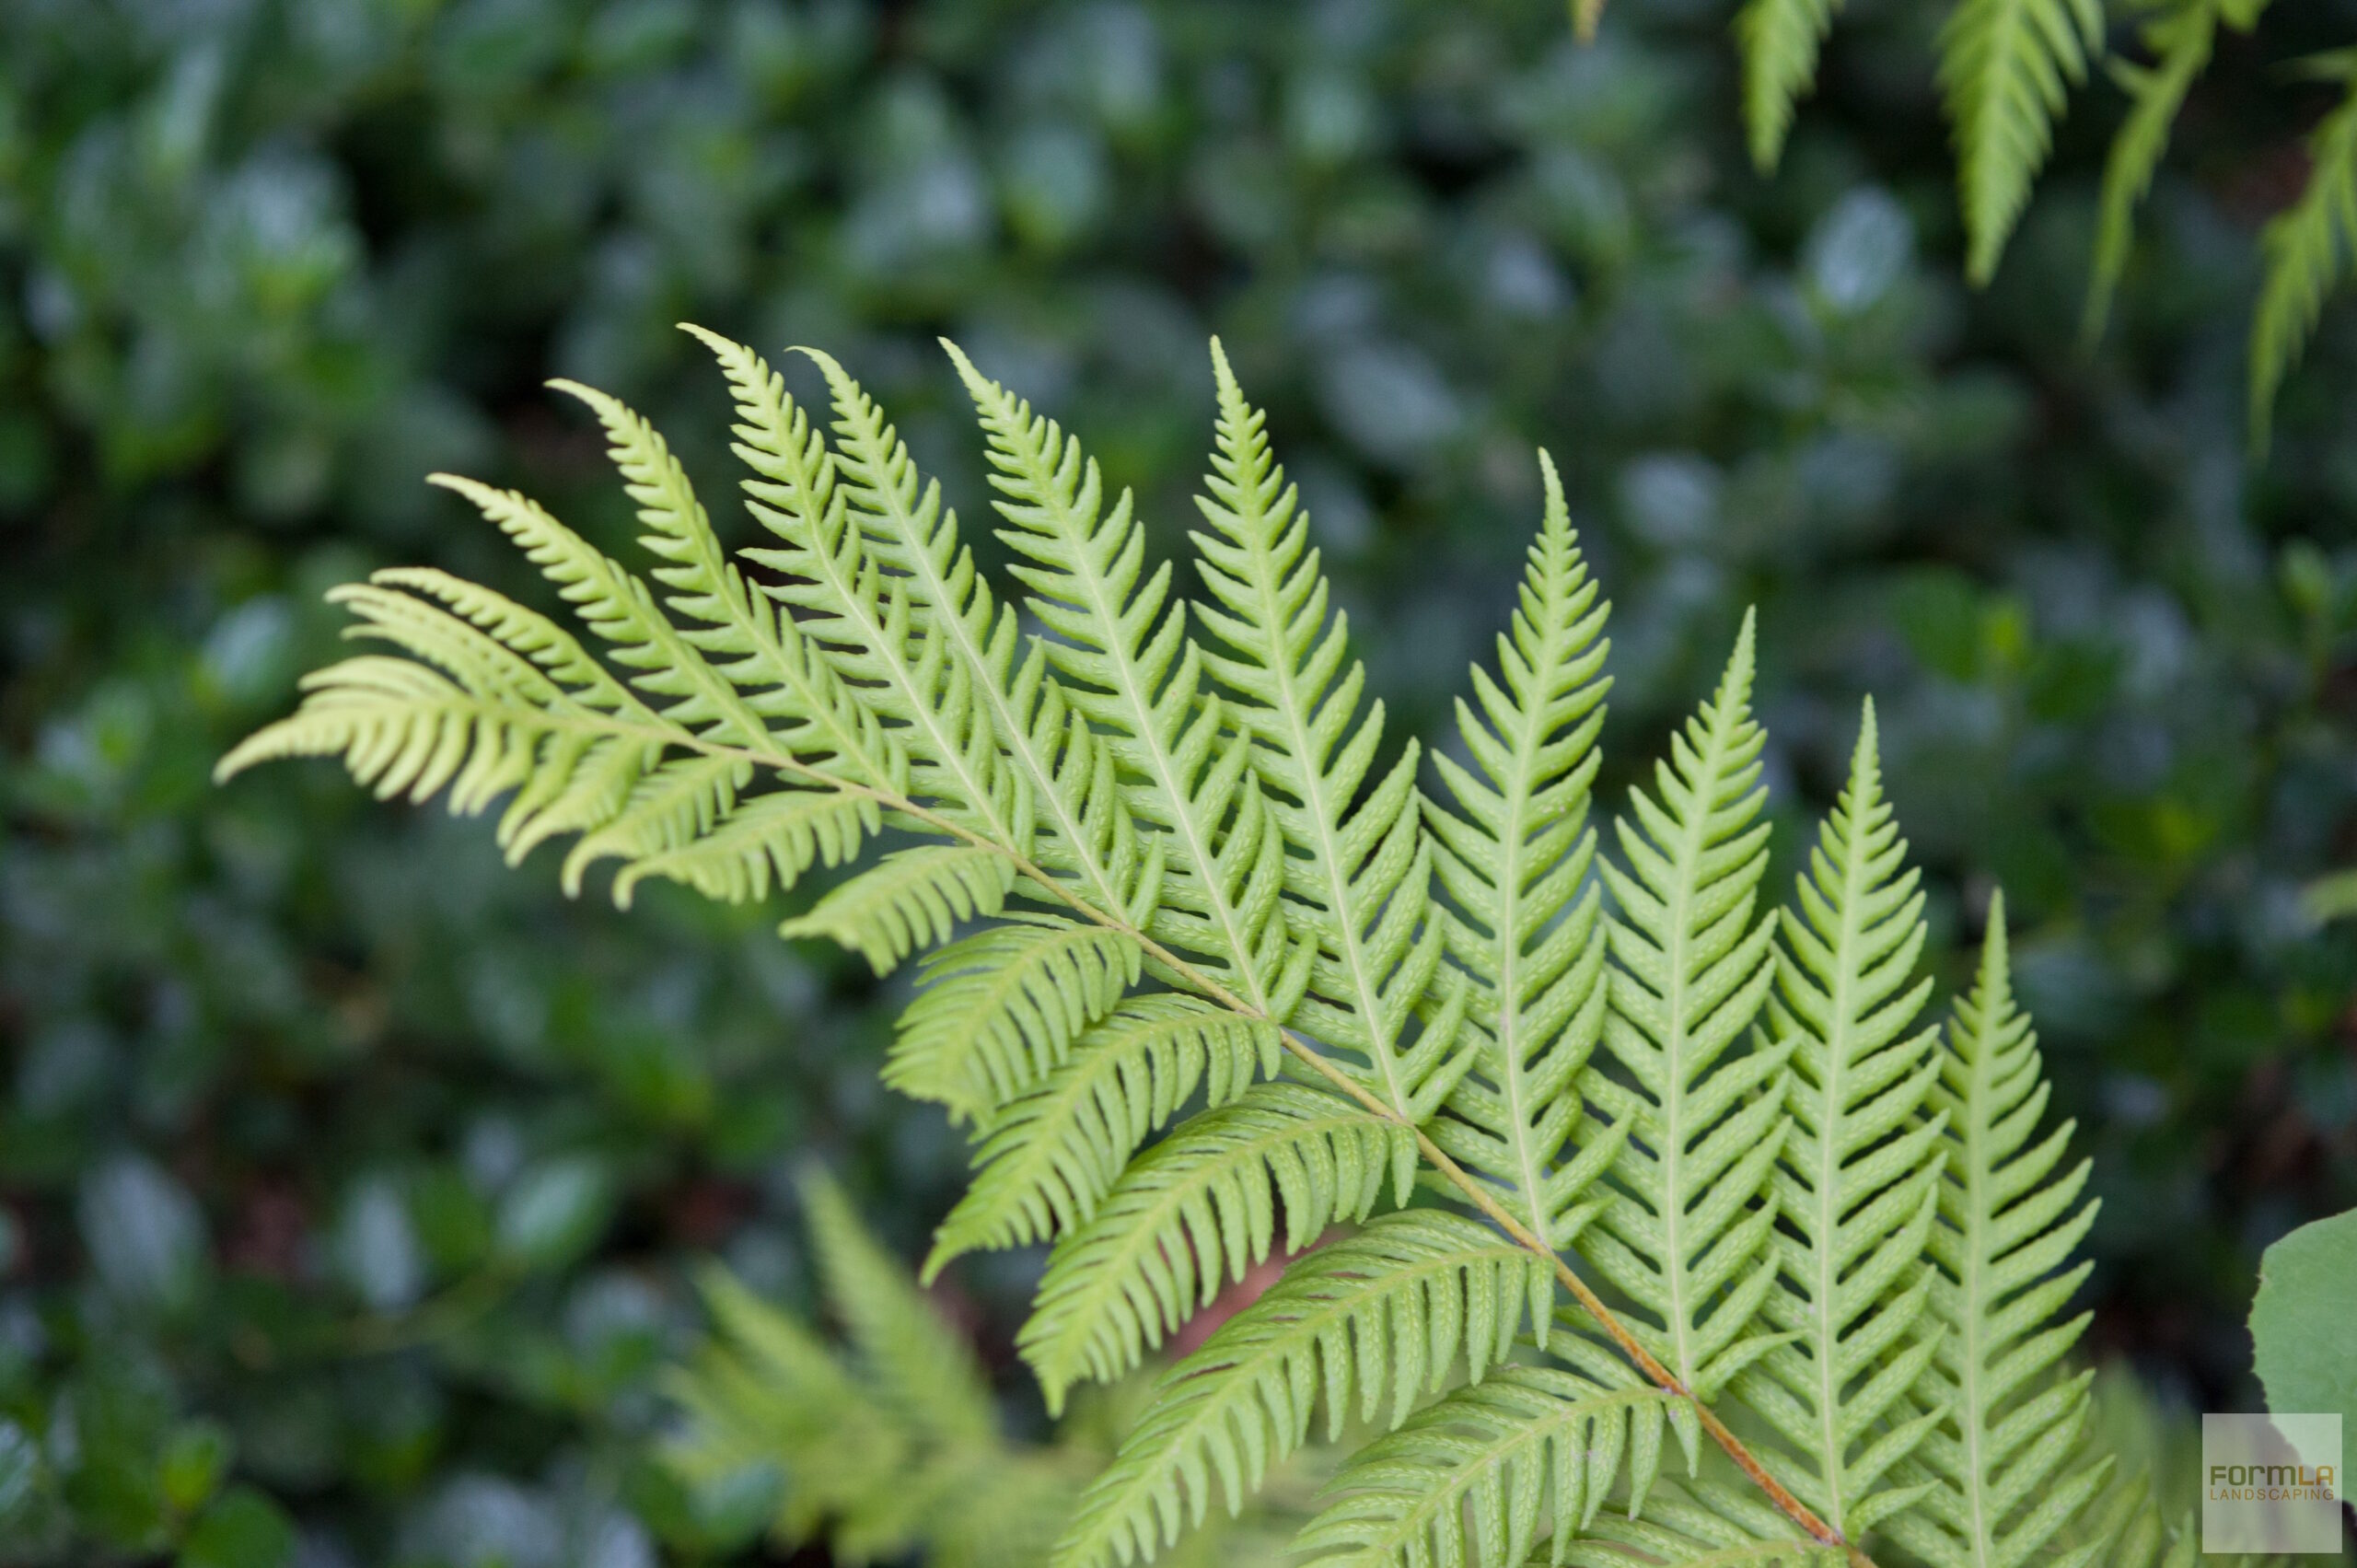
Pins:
x,y
910,899
1687,1233
930,702
2003,1456
1198,1208
766,841
1048,1158
1378,1318
1482,1475
1780,40
2309,248
1359,878
1131,668
1517,863
2181,41
1707,1527
1858,1186
1066,772
2006,69
997,1013
927,1374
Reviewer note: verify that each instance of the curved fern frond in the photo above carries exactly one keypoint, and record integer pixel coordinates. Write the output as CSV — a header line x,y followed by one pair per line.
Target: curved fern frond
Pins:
x,y
1516,864
921,1366
1359,878
1376,1318
2006,69
1858,1187
767,842
1699,1526
910,899
1482,1475
2002,1458
1049,1158
2180,40
1780,40
997,1013
1198,1208
2309,248
1131,670
1685,1235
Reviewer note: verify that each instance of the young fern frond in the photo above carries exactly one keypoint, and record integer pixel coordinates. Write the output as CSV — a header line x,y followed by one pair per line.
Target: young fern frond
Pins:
x,y
2006,70
1780,40
1516,864
1047,1159
1481,1476
1371,1322
1200,1208
1858,1185
2309,248
1359,878
2004,1462
1685,1235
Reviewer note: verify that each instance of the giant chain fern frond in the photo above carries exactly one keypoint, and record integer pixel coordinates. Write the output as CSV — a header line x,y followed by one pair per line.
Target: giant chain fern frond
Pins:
x,y
1516,864
1687,1233
2002,1458
1203,977
2309,248
1857,1188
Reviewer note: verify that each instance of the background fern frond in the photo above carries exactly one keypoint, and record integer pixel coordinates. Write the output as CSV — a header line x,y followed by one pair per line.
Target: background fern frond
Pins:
x,y
1686,1234
2308,249
2180,39
1515,859
997,1013
1130,667
1198,1208
1371,1321
2006,70
1360,875
1481,1476
1780,40
1045,1160
2004,1458
1857,1188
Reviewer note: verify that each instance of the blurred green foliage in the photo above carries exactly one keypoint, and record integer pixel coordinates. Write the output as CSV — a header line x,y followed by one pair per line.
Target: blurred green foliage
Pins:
x,y
349,1183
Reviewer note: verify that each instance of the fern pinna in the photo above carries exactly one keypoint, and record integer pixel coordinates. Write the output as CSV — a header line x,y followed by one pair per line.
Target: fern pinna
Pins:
x,y
1206,971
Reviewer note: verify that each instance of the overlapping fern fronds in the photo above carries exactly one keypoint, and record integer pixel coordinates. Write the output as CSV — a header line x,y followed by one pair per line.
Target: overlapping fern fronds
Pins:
x,y
1208,976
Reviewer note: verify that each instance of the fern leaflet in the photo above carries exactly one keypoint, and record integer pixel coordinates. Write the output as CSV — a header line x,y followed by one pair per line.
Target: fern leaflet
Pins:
x,y
2006,68
2309,248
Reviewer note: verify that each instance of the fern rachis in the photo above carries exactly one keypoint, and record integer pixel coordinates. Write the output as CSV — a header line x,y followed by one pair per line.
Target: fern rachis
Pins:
x,y
1432,979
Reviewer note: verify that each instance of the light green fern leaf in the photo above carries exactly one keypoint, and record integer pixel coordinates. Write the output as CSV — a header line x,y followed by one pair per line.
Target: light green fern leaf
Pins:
x,y
998,1012
2006,69
1529,1453
1372,1322
1780,40
2003,1456
1517,863
1360,875
1198,1208
911,900
2309,248
1686,1233
2180,39
1700,1526
1858,1187
1047,1159
1129,666
767,842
